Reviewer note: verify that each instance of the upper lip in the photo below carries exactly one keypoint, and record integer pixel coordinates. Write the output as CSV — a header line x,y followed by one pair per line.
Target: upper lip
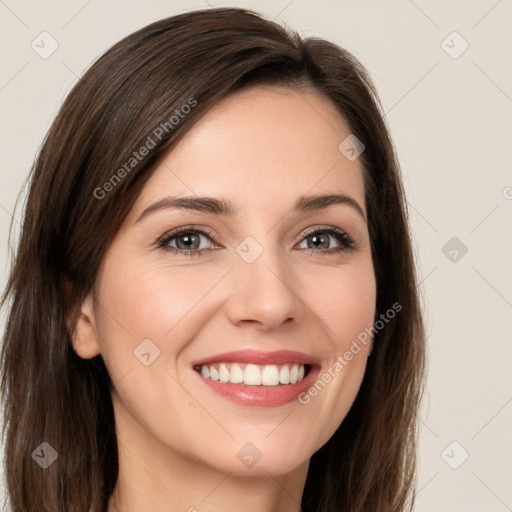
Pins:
x,y
258,357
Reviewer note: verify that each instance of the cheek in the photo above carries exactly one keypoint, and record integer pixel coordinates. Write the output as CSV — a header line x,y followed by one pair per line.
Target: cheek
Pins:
x,y
155,304
346,307
148,312
345,302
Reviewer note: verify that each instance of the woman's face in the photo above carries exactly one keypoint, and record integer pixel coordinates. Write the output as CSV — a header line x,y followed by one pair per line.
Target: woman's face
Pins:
x,y
200,332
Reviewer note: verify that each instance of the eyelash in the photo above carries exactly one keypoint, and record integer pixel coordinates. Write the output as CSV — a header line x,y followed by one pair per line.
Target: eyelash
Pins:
x,y
346,242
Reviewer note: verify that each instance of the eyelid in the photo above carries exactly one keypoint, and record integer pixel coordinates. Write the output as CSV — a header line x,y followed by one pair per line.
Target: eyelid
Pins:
x,y
186,228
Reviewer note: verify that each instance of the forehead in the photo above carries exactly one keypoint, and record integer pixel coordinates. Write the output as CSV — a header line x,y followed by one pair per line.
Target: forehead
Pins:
x,y
260,147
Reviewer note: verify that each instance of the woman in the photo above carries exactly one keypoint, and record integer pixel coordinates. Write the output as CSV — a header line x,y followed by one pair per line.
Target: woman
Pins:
x,y
214,301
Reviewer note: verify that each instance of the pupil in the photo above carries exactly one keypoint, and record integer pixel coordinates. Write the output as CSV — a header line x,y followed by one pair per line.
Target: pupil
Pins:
x,y
319,238
188,240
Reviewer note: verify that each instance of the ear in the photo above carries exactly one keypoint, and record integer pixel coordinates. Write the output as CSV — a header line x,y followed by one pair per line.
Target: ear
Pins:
x,y
84,335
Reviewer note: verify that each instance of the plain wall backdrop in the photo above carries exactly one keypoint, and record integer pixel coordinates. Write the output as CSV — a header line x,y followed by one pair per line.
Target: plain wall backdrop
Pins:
x,y
444,73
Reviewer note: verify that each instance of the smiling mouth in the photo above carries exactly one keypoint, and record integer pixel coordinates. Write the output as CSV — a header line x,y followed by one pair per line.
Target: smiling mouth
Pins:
x,y
268,375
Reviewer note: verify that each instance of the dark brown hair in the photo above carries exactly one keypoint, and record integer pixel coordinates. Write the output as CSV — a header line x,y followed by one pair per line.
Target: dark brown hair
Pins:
x,y
51,395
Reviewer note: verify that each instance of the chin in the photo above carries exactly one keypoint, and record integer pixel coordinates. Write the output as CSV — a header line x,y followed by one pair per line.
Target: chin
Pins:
x,y
259,455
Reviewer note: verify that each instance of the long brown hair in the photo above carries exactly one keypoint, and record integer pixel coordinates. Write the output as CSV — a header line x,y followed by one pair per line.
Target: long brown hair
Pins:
x,y
51,395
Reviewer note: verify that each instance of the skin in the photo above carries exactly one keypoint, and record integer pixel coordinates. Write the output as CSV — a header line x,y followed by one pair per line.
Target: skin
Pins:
x,y
260,148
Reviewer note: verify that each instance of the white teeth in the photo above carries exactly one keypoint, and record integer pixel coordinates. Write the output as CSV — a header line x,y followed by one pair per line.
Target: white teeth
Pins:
x,y
270,375
223,373
284,375
294,373
237,374
254,375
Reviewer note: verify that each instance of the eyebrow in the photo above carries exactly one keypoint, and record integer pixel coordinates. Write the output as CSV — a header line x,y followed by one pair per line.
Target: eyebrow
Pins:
x,y
215,206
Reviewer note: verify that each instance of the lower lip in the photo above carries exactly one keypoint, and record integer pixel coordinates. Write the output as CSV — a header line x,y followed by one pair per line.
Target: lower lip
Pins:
x,y
261,396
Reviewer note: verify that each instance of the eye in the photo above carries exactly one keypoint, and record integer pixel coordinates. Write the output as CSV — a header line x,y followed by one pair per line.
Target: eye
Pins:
x,y
320,239
187,241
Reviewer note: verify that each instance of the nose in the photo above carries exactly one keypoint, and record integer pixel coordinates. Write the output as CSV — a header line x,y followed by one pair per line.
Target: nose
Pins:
x,y
264,292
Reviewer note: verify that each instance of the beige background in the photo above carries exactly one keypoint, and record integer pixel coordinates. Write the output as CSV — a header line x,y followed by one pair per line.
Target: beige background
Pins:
x,y
451,120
